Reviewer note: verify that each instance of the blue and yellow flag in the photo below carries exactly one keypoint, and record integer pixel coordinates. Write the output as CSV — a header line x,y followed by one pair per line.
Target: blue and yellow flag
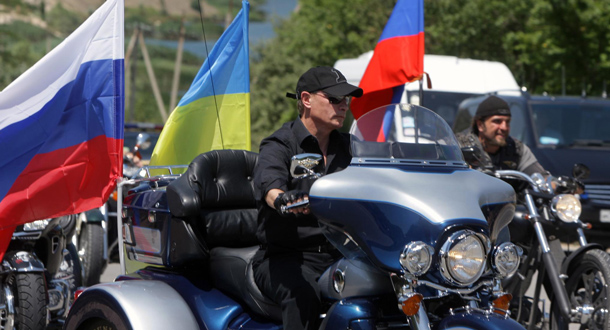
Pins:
x,y
215,111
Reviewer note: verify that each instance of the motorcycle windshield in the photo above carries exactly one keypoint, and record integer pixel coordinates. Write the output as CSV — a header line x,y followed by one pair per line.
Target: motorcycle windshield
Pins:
x,y
405,132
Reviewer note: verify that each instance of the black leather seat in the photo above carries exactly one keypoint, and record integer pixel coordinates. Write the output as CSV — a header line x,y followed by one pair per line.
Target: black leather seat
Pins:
x,y
216,196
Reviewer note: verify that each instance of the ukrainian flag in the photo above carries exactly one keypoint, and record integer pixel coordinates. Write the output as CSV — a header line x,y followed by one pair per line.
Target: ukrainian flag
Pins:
x,y
215,111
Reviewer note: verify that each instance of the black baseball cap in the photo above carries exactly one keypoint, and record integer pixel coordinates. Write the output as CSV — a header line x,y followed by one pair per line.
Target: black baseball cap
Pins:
x,y
326,79
492,106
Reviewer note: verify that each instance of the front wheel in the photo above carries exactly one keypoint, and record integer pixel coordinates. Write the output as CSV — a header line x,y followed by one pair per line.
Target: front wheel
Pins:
x,y
587,288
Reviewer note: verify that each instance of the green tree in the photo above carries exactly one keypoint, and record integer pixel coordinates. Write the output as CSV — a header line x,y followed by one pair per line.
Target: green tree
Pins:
x,y
320,33
537,39
63,21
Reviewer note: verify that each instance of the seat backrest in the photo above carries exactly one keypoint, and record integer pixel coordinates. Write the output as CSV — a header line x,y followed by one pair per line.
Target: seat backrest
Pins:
x,y
216,195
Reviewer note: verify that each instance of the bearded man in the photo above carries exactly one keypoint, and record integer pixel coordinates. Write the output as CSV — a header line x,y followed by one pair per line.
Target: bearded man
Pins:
x,y
490,131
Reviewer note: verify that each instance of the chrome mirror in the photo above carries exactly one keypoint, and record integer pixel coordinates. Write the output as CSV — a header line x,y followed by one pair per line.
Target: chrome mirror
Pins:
x,y
143,141
581,171
302,165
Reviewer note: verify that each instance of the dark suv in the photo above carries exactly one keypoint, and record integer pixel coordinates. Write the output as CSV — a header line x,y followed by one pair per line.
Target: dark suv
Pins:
x,y
563,131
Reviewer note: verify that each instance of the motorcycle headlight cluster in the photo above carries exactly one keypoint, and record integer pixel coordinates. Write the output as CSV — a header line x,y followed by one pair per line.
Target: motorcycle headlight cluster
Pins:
x,y
566,207
506,259
36,225
416,258
463,257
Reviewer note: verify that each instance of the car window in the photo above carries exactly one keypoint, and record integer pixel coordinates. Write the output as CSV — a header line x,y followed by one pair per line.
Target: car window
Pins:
x,y
570,124
463,119
517,121
445,104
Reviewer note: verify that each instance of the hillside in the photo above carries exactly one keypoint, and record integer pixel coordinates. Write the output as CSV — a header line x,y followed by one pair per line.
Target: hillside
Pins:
x,y
173,7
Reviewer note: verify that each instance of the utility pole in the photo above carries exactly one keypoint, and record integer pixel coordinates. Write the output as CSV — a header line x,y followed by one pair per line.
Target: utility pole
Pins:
x,y
176,81
131,57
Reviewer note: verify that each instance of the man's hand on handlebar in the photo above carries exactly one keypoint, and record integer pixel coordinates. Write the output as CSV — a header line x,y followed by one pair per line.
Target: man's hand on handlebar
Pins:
x,y
564,184
288,198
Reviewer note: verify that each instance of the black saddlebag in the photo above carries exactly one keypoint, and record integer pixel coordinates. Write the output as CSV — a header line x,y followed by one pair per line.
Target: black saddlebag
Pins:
x,y
215,196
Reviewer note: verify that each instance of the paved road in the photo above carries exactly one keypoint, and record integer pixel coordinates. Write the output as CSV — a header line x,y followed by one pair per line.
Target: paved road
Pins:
x,y
112,271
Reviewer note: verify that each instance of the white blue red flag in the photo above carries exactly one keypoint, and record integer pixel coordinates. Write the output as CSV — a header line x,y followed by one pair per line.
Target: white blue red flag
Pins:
x,y
398,58
61,126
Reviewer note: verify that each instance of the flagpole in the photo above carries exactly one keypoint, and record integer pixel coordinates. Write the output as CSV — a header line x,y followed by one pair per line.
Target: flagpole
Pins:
x,y
421,91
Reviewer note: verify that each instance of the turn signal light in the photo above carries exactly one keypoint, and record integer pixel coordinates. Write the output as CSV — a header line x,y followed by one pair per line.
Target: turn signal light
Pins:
x,y
502,303
411,305
115,195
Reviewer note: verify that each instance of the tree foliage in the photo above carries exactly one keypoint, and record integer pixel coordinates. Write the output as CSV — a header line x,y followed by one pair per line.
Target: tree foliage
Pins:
x,y
320,33
537,39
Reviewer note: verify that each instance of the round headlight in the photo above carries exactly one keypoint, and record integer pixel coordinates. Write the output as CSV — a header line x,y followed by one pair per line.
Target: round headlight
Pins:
x,y
506,259
416,258
463,258
566,207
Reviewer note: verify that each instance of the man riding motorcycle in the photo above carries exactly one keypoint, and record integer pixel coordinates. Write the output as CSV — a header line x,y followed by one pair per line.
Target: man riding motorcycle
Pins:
x,y
295,252
490,131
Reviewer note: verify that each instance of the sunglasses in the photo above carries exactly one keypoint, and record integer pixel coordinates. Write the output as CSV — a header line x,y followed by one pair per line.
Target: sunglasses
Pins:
x,y
336,100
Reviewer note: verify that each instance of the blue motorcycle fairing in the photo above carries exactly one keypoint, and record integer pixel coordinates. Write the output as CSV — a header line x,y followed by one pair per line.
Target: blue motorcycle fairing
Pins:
x,y
395,226
390,207
476,320
347,312
459,195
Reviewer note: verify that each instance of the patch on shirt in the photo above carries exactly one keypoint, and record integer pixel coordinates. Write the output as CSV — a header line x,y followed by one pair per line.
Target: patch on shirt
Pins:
x,y
510,164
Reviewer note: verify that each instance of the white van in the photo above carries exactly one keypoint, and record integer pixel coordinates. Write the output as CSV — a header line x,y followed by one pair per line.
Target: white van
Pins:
x,y
453,80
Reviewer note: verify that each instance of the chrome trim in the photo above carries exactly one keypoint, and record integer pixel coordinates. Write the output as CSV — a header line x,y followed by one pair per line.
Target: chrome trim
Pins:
x,y
518,250
8,320
399,161
105,224
29,235
582,239
598,193
486,312
338,280
517,175
444,252
420,321
466,291
169,168
62,288
416,244
148,259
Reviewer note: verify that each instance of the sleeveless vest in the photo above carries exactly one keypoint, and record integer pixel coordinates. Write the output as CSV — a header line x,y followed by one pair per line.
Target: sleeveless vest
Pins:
x,y
507,157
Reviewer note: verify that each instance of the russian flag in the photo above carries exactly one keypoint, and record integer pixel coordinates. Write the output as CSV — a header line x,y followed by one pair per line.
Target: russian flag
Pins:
x,y
61,126
398,58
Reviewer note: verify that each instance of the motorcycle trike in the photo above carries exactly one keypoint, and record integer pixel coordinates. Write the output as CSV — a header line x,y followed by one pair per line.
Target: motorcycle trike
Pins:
x,y
416,227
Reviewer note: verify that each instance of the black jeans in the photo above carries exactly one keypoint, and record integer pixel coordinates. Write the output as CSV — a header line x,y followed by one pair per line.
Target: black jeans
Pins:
x,y
290,279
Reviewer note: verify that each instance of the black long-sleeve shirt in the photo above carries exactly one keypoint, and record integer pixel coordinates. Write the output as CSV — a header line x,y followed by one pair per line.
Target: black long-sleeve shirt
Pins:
x,y
292,232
